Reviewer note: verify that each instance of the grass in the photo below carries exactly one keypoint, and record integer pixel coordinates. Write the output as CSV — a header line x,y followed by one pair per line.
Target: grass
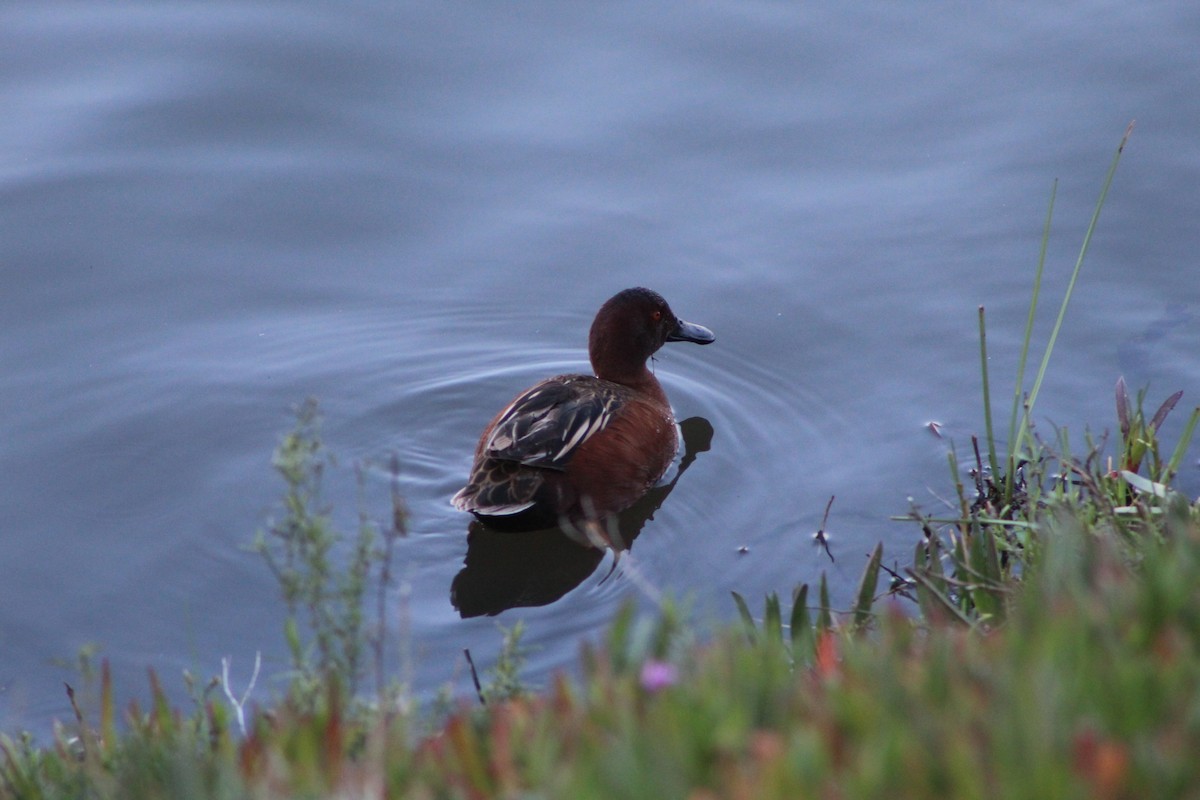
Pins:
x,y
1090,688
1044,642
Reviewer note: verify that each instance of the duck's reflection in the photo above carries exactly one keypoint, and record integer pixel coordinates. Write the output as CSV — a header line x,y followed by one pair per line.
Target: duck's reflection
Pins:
x,y
535,568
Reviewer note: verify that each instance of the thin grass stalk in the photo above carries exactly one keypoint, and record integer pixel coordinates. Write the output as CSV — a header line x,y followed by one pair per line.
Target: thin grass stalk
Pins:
x,y
937,598
108,725
1185,439
1062,310
987,395
963,506
1019,388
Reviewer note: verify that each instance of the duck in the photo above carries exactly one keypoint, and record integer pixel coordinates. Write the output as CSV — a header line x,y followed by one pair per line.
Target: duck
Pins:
x,y
577,448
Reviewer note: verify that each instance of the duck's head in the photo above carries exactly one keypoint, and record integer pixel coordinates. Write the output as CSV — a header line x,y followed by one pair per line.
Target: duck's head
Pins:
x,y
630,327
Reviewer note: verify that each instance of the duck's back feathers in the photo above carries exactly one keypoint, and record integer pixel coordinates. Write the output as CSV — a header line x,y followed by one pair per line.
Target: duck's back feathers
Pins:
x,y
545,425
542,429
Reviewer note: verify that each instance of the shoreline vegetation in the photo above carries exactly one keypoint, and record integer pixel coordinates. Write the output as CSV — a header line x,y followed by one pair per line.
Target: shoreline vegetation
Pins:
x,y
1044,641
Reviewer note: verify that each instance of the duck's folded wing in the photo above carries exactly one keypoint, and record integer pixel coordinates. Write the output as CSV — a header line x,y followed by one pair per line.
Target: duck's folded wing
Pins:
x,y
545,426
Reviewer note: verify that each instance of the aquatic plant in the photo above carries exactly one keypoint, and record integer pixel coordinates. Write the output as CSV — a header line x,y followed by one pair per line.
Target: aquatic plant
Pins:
x,y
968,564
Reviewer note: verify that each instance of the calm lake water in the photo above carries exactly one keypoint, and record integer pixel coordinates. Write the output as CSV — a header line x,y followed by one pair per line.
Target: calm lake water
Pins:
x,y
209,212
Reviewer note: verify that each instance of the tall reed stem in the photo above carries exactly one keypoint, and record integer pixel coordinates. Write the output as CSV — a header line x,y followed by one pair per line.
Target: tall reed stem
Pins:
x,y
987,395
1023,433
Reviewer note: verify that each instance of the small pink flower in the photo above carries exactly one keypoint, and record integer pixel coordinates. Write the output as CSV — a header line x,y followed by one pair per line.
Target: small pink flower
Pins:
x,y
657,675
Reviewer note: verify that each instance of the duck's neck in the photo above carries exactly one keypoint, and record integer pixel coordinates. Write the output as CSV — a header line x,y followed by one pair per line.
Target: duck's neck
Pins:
x,y
620,361
636,376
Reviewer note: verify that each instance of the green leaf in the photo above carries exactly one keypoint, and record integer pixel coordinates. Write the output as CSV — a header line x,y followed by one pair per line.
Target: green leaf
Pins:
x,y
866,588
1123,408
1160,416
747,617
937,596
824,616
801,622
1181,447
773,619
1145,485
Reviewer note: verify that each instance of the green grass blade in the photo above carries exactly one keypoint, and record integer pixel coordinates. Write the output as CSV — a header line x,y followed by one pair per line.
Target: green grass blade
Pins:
x,y
866,588
1160,416
984,571
747,617
987,395
1019,389
944,603
824,614
1062,310
108,725
773,619
995,573
801,623
934,559
1185,439
922,560
1123,415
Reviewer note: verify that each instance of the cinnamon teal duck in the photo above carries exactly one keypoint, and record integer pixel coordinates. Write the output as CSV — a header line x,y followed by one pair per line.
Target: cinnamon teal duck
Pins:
x,y
579,447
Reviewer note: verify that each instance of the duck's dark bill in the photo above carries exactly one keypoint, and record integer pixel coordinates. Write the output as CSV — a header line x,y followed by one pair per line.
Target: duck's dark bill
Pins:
x,y
690,332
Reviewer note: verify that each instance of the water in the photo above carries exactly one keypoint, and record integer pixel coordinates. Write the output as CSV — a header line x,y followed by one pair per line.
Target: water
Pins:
x,y
210,212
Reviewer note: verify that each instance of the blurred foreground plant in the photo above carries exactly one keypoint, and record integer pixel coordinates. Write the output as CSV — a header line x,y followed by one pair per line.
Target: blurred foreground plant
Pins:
x,y
323,573
1089,689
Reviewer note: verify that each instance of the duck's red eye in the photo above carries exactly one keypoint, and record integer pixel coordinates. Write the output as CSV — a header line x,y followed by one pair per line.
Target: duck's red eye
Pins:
x,y
656,316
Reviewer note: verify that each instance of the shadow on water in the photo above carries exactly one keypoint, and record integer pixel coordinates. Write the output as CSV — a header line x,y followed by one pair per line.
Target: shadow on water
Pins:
x,y
535,568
